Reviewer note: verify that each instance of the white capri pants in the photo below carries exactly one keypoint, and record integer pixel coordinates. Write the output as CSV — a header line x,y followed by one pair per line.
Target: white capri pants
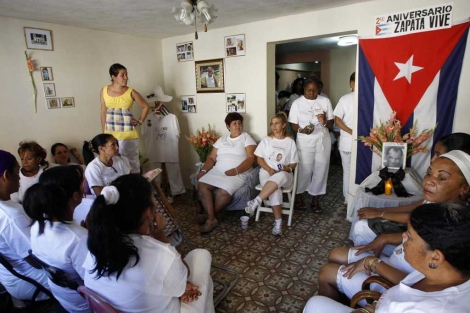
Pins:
x,y
282,179
346,162
321,304
314,154
129,148
362,235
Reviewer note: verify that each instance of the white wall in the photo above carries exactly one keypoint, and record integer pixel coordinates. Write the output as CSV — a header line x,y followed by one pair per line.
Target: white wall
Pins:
x,y
342,65
80,63
252,73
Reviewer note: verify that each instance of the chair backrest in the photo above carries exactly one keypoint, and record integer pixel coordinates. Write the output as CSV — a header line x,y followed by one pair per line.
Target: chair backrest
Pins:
x,y
56,275
95,302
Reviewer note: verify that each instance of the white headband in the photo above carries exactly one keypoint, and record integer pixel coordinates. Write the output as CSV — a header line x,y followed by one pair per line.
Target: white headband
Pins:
x,y
462,160
110,194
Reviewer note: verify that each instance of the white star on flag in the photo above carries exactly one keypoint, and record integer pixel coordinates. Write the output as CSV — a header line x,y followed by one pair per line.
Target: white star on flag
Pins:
x,y
407,69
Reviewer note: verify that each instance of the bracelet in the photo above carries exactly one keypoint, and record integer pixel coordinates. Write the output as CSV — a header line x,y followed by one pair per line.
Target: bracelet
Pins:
x,y
373,267
324,125
203,171
290,169
236,170
369,264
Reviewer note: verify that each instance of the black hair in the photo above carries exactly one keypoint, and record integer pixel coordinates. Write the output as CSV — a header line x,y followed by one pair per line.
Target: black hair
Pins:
x,y
48,199
115,68
352,78
54,146
456,141
111,225
296,81
234,116
36,149
309,81
92,146
320,83
283,94
445,227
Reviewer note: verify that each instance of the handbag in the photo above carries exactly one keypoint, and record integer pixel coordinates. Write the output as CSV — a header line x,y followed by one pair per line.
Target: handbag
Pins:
x,y
383,226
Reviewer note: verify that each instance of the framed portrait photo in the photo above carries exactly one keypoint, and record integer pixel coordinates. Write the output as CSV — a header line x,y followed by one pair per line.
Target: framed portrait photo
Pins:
x,y
53,103
46,73
235,45
49,90
235,102
67,102
188,104
184,51
38,39
210,76
394,155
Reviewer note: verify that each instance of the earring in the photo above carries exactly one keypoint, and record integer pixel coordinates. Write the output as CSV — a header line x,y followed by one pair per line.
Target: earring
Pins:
x,y
432,266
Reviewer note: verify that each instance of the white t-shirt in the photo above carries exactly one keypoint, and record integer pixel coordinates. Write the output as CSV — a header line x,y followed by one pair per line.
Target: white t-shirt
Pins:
x,y
25,183
161,134
277,152
404,299
98,174
304,112
153,285
63,246
291,100
345,111
231,151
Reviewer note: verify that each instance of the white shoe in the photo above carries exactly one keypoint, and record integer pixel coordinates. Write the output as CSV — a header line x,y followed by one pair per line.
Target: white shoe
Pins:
x,y
277,229
251,206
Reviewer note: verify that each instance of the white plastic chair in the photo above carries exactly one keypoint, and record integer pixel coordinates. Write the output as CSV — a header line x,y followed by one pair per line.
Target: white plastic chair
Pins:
x,y
287,207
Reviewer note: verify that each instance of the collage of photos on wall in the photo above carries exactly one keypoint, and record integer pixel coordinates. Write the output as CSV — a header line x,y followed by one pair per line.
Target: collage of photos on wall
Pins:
x,y
184,51
234,45
236,102
188,104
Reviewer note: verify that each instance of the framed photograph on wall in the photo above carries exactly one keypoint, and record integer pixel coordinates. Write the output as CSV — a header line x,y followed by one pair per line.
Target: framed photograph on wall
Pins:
x,y
53,103
67,102
234,45
188,104
46,73
235,102
184,51
49,89
210,76
38,39
394,155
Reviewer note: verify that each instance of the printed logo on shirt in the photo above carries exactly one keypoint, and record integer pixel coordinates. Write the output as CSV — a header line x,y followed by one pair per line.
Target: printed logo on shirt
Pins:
x,y
161,133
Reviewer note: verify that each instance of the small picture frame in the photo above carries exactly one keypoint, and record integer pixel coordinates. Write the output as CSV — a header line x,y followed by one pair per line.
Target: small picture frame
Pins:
x,y
53,103
49,89
235,45
184,51
235,102
394,155
67,102
46,73
210,76
38,39
188,104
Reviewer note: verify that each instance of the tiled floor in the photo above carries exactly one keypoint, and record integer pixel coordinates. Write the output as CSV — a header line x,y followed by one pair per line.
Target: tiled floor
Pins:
x,y
277,274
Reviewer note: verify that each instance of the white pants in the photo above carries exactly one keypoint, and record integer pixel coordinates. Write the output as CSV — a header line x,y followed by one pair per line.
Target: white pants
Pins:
x,y
174,175
346,162
361,234
321,304
129,148
199,263
314,154
282,179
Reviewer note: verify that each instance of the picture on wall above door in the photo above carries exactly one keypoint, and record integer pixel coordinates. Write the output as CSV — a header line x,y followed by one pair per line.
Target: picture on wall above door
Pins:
x,y
234,45
46,73
210,76
235,102
38,39
184,51
49,89
188,104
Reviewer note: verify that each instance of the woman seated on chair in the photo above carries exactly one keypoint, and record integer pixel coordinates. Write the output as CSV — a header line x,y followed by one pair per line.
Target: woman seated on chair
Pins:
x,y
362,234
56,238
437,245
231,155
107,166
60,153
14,235
130,269
277,156
448,174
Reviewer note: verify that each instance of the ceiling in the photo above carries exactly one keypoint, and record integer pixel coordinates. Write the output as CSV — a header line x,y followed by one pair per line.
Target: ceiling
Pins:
x,y
153,18
314,44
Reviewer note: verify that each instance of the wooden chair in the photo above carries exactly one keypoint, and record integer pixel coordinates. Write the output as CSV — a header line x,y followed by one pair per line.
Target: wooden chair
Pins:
x,y
367,294
95,302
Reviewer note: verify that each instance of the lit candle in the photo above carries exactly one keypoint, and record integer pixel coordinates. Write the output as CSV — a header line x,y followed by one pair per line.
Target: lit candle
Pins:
x,y
388,187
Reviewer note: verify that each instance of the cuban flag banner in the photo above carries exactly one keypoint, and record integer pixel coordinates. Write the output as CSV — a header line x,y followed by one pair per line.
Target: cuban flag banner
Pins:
x,y
417,75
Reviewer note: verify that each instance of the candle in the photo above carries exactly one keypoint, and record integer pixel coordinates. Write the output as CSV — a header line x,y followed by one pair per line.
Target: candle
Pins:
x,y
388,187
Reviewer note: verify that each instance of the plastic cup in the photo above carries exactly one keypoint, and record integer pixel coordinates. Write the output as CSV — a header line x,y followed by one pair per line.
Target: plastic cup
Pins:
x,y
244,220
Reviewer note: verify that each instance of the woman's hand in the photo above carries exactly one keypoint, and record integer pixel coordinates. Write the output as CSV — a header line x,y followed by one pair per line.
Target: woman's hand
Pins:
x,y
231,172
351,269
191,293
287,168
375,246
200,174
368,212
307,129
135,122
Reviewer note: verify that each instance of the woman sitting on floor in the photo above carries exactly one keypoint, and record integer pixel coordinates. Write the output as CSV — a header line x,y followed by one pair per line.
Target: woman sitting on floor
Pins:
x,y
60,153
277,156
107,166
437,245
56,238
133,271
231,155
449,174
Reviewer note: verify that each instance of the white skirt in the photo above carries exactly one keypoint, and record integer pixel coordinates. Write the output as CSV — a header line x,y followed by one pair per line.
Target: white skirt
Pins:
x,y
228,183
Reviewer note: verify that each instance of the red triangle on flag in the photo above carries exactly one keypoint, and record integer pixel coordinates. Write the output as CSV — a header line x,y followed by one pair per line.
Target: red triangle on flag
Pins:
x,y
429,49
377,30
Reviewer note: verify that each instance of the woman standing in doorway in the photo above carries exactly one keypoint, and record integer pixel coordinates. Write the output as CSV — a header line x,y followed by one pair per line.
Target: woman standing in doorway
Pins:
x,y
116,116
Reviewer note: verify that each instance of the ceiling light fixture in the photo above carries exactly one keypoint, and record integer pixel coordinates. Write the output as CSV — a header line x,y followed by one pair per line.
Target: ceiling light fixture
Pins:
x,y
193,12
348,40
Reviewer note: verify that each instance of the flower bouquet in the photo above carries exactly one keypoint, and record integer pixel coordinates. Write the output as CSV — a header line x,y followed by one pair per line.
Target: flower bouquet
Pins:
x,y
203,141
391,132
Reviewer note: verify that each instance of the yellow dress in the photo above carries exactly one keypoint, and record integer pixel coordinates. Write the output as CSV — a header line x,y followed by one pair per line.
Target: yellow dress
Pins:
x,y
119,115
